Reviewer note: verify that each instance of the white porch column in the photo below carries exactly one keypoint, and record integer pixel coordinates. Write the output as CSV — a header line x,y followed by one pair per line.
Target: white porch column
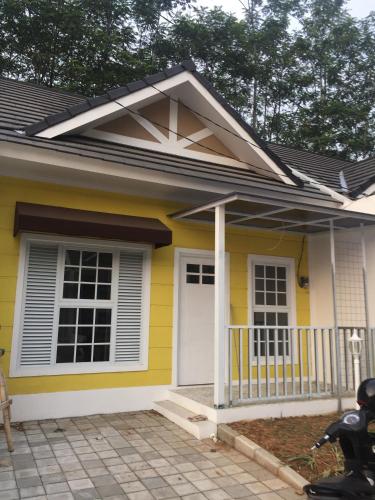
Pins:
x,y
335,321
219,349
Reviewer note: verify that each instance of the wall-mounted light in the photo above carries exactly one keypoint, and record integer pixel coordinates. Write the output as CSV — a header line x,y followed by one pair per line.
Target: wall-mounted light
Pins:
x,y
303,282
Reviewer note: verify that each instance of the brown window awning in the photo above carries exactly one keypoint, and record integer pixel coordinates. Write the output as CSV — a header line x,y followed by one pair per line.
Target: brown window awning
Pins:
x,y
30,217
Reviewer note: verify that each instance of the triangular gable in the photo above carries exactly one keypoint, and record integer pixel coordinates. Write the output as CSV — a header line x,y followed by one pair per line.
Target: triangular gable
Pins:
x,y
176,111
166,125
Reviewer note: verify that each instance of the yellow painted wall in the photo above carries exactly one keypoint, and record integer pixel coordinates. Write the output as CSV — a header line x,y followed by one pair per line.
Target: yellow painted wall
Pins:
x,y
239,243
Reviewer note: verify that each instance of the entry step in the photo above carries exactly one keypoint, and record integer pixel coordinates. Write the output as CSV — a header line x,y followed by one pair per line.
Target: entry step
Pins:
x,y
195,424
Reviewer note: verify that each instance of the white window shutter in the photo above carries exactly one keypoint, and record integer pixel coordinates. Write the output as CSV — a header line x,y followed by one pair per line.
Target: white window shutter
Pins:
x,y
39,305
129,308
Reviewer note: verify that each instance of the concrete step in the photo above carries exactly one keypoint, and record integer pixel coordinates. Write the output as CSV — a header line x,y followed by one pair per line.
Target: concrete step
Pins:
x,y
192,405
180,416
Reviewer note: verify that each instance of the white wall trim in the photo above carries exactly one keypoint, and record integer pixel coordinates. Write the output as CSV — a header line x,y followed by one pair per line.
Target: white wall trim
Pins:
x,y
77,368
89,402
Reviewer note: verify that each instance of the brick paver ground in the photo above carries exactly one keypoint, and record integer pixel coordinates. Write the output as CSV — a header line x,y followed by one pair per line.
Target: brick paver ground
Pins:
x,y
135,456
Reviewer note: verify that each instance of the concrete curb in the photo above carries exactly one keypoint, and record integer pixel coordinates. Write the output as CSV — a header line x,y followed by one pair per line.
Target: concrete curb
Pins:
x,y
261,456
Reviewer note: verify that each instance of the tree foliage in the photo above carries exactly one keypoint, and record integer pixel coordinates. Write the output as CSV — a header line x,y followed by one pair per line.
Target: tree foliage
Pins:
x,y
302,72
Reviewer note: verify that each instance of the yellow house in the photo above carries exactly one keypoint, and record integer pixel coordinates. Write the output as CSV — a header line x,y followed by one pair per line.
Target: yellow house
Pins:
x,y
153,253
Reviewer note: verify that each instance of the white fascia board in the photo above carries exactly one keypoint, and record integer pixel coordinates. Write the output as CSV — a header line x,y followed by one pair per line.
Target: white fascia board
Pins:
x,y
112,109
95,115
240,131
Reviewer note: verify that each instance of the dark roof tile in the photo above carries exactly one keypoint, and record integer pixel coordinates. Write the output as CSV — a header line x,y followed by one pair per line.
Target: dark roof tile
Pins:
x,y
138,85
118,92
157,77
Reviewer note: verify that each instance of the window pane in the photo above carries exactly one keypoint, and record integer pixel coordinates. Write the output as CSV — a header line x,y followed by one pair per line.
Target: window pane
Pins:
x,y
259,298
102,334
103,317
270,272
208,269
281,299
259,285
270,285
65,354
86,316
270,299
259,271
88,274
271,318
103,292
104,276
281,286
208,280
89,259
72,257
67,316
281,273
87,292
282,319
192,268
67,335
71,274
192,278
258,318
101,353
84,335
70,291
105,259
83,354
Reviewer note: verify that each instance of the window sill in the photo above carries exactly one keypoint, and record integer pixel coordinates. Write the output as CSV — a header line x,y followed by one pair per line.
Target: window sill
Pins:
x,y
41,371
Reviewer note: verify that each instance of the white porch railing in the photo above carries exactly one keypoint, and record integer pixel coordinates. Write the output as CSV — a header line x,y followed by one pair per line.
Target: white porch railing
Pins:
x,y
282,362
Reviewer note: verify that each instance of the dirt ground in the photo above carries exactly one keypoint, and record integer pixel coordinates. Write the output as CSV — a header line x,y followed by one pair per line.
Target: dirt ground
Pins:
x,y
290,439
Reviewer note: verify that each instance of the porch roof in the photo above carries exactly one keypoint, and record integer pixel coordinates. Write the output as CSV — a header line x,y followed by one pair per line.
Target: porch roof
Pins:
x,y
263,213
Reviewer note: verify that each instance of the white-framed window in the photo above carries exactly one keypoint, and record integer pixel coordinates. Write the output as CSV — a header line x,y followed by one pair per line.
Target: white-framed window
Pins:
x,y
272,303
82,306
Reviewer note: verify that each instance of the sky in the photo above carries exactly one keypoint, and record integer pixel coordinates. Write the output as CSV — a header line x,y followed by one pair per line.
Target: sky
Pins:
x,y
358,8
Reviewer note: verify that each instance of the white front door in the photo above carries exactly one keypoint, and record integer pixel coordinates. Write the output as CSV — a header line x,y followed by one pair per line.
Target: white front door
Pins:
x,y
196,320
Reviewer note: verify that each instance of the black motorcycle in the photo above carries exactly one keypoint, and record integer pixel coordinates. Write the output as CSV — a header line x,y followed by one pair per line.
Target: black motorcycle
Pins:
x,y
358,446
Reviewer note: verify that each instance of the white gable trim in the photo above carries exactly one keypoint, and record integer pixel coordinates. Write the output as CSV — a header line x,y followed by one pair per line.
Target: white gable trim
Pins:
x,y
112,110
150,127
167,147
196,137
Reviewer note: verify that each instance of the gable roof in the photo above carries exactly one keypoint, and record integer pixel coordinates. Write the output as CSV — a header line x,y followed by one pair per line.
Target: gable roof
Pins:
x,y
113,95
26,105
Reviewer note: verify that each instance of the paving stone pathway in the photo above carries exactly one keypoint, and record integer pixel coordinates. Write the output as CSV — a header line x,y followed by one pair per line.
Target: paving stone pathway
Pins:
x,y
135,456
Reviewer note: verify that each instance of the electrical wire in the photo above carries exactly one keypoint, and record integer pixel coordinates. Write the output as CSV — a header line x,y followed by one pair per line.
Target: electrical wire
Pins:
x,y
219,153
311,182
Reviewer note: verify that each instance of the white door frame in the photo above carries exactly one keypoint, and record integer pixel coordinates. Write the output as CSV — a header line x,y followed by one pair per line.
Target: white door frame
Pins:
x,y
179,253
